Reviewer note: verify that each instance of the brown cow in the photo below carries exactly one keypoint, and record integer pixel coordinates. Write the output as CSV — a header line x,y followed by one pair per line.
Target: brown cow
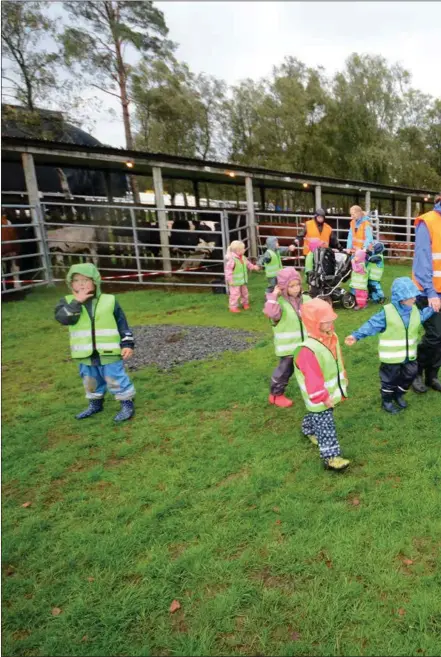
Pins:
x,y
10,267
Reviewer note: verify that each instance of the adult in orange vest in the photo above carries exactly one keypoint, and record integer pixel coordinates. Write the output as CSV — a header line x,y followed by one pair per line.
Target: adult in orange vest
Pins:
x,y
427,276
360,234
317,228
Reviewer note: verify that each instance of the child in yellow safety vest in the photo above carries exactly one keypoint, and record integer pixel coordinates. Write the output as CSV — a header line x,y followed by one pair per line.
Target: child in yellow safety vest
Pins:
x,y
359,279
100,340
236,275
397,325
271,260
284,308
321,376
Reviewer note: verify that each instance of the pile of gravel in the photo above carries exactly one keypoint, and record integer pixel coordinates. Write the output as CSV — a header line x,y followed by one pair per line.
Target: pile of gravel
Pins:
x,y
167,345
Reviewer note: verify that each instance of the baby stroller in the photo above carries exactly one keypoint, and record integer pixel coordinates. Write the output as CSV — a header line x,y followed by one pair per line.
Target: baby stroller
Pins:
x,y
330,271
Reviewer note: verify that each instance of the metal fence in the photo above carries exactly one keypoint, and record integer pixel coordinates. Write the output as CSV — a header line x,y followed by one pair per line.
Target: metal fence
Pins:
x,y
130,244
145,246
397,233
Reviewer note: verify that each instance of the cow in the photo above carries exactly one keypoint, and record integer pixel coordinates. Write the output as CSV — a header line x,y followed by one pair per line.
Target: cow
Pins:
x,y
10,267
71,240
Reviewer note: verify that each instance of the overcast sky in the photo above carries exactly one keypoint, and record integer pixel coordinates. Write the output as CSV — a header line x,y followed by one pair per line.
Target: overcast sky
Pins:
x,y
235,40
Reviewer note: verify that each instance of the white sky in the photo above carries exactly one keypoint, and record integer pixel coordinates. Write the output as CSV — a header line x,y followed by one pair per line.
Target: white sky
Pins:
x,y
235,40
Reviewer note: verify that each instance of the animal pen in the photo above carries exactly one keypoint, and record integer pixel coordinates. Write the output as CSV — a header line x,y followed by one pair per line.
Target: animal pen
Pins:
x,y
133,242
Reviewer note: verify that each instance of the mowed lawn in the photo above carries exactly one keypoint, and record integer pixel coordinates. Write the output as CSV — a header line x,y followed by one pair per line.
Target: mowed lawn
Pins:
x,y
213,498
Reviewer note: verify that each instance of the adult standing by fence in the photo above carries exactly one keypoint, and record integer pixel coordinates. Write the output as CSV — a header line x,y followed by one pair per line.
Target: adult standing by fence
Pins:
x,y
361,235
427,276
317,228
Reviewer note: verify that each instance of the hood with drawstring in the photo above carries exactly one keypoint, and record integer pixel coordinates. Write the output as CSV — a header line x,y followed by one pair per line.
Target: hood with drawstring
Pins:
x,y
378,248
403,288
85,269
358,261
271,243
284,278
315,312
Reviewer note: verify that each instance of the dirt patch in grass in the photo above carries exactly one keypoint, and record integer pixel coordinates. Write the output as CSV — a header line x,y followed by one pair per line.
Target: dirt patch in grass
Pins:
x,y
232,477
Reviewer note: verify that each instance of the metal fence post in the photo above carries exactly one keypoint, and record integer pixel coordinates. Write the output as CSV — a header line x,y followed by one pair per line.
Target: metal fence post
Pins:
x,y
41,211
225,238
135,242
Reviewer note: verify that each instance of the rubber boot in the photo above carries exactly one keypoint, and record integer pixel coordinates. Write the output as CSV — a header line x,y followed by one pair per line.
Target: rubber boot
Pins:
x,y
95,406
401,402
246,306
336,463
234,310
313,440
127,411
418,384
389,406
433,381
280,400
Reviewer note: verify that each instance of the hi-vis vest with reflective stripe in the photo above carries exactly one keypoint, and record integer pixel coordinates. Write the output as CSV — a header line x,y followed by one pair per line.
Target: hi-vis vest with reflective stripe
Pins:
x,y
333,374
398,343
432,220
313,231
309,262
107,338
289,331
240,272
359,234
375,272
273,267
359,281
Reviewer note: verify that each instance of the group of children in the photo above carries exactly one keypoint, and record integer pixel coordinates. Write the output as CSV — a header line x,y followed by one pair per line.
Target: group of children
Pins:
x,y
306,344
304,339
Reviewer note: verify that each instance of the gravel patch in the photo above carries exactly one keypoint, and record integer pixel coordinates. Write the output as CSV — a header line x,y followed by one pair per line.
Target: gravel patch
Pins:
x,y
167,345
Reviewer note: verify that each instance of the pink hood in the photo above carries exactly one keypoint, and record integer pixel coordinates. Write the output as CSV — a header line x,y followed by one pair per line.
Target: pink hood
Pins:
x,y
284,278
314,243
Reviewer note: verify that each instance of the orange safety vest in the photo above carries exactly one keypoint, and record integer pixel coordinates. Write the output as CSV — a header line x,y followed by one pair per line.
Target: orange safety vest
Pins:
x,y
313,231
432,220
359,234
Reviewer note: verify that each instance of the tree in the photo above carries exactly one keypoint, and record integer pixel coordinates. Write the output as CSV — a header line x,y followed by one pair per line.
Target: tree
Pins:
x,y
28,68
177,112
100,39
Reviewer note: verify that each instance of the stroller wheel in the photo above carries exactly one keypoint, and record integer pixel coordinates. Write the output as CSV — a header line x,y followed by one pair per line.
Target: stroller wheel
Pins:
x,y
348,301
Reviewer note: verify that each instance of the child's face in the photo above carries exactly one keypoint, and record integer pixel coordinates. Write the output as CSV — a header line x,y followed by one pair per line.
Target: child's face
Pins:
x,y
294,288
326,327
240,250
277,245
409,302
82,283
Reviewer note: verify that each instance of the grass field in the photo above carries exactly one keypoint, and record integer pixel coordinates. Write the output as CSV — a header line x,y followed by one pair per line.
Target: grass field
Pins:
x,y
212,498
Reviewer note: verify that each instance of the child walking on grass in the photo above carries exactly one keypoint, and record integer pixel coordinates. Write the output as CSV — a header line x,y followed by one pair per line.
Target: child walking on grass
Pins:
x,y
271,260
100,340
398,325
236,275
283,307
322,380
359,279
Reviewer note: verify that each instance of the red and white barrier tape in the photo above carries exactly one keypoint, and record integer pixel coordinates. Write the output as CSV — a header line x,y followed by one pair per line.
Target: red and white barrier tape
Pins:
x,y
110,278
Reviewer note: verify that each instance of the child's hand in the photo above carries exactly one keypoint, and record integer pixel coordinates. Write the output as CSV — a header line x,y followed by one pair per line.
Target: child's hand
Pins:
x,y
329,403
83,295
277,291
126,353
291,247
350,340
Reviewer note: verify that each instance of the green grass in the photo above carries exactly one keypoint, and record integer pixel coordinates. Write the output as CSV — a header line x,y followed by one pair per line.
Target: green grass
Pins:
x,y
213,498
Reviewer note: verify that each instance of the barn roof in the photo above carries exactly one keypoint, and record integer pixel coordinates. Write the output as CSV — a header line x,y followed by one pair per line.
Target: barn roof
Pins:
x,y
99,157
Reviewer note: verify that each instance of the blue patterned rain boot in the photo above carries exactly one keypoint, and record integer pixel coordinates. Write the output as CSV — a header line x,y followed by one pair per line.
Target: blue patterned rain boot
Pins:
x,y
95,406
127,411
